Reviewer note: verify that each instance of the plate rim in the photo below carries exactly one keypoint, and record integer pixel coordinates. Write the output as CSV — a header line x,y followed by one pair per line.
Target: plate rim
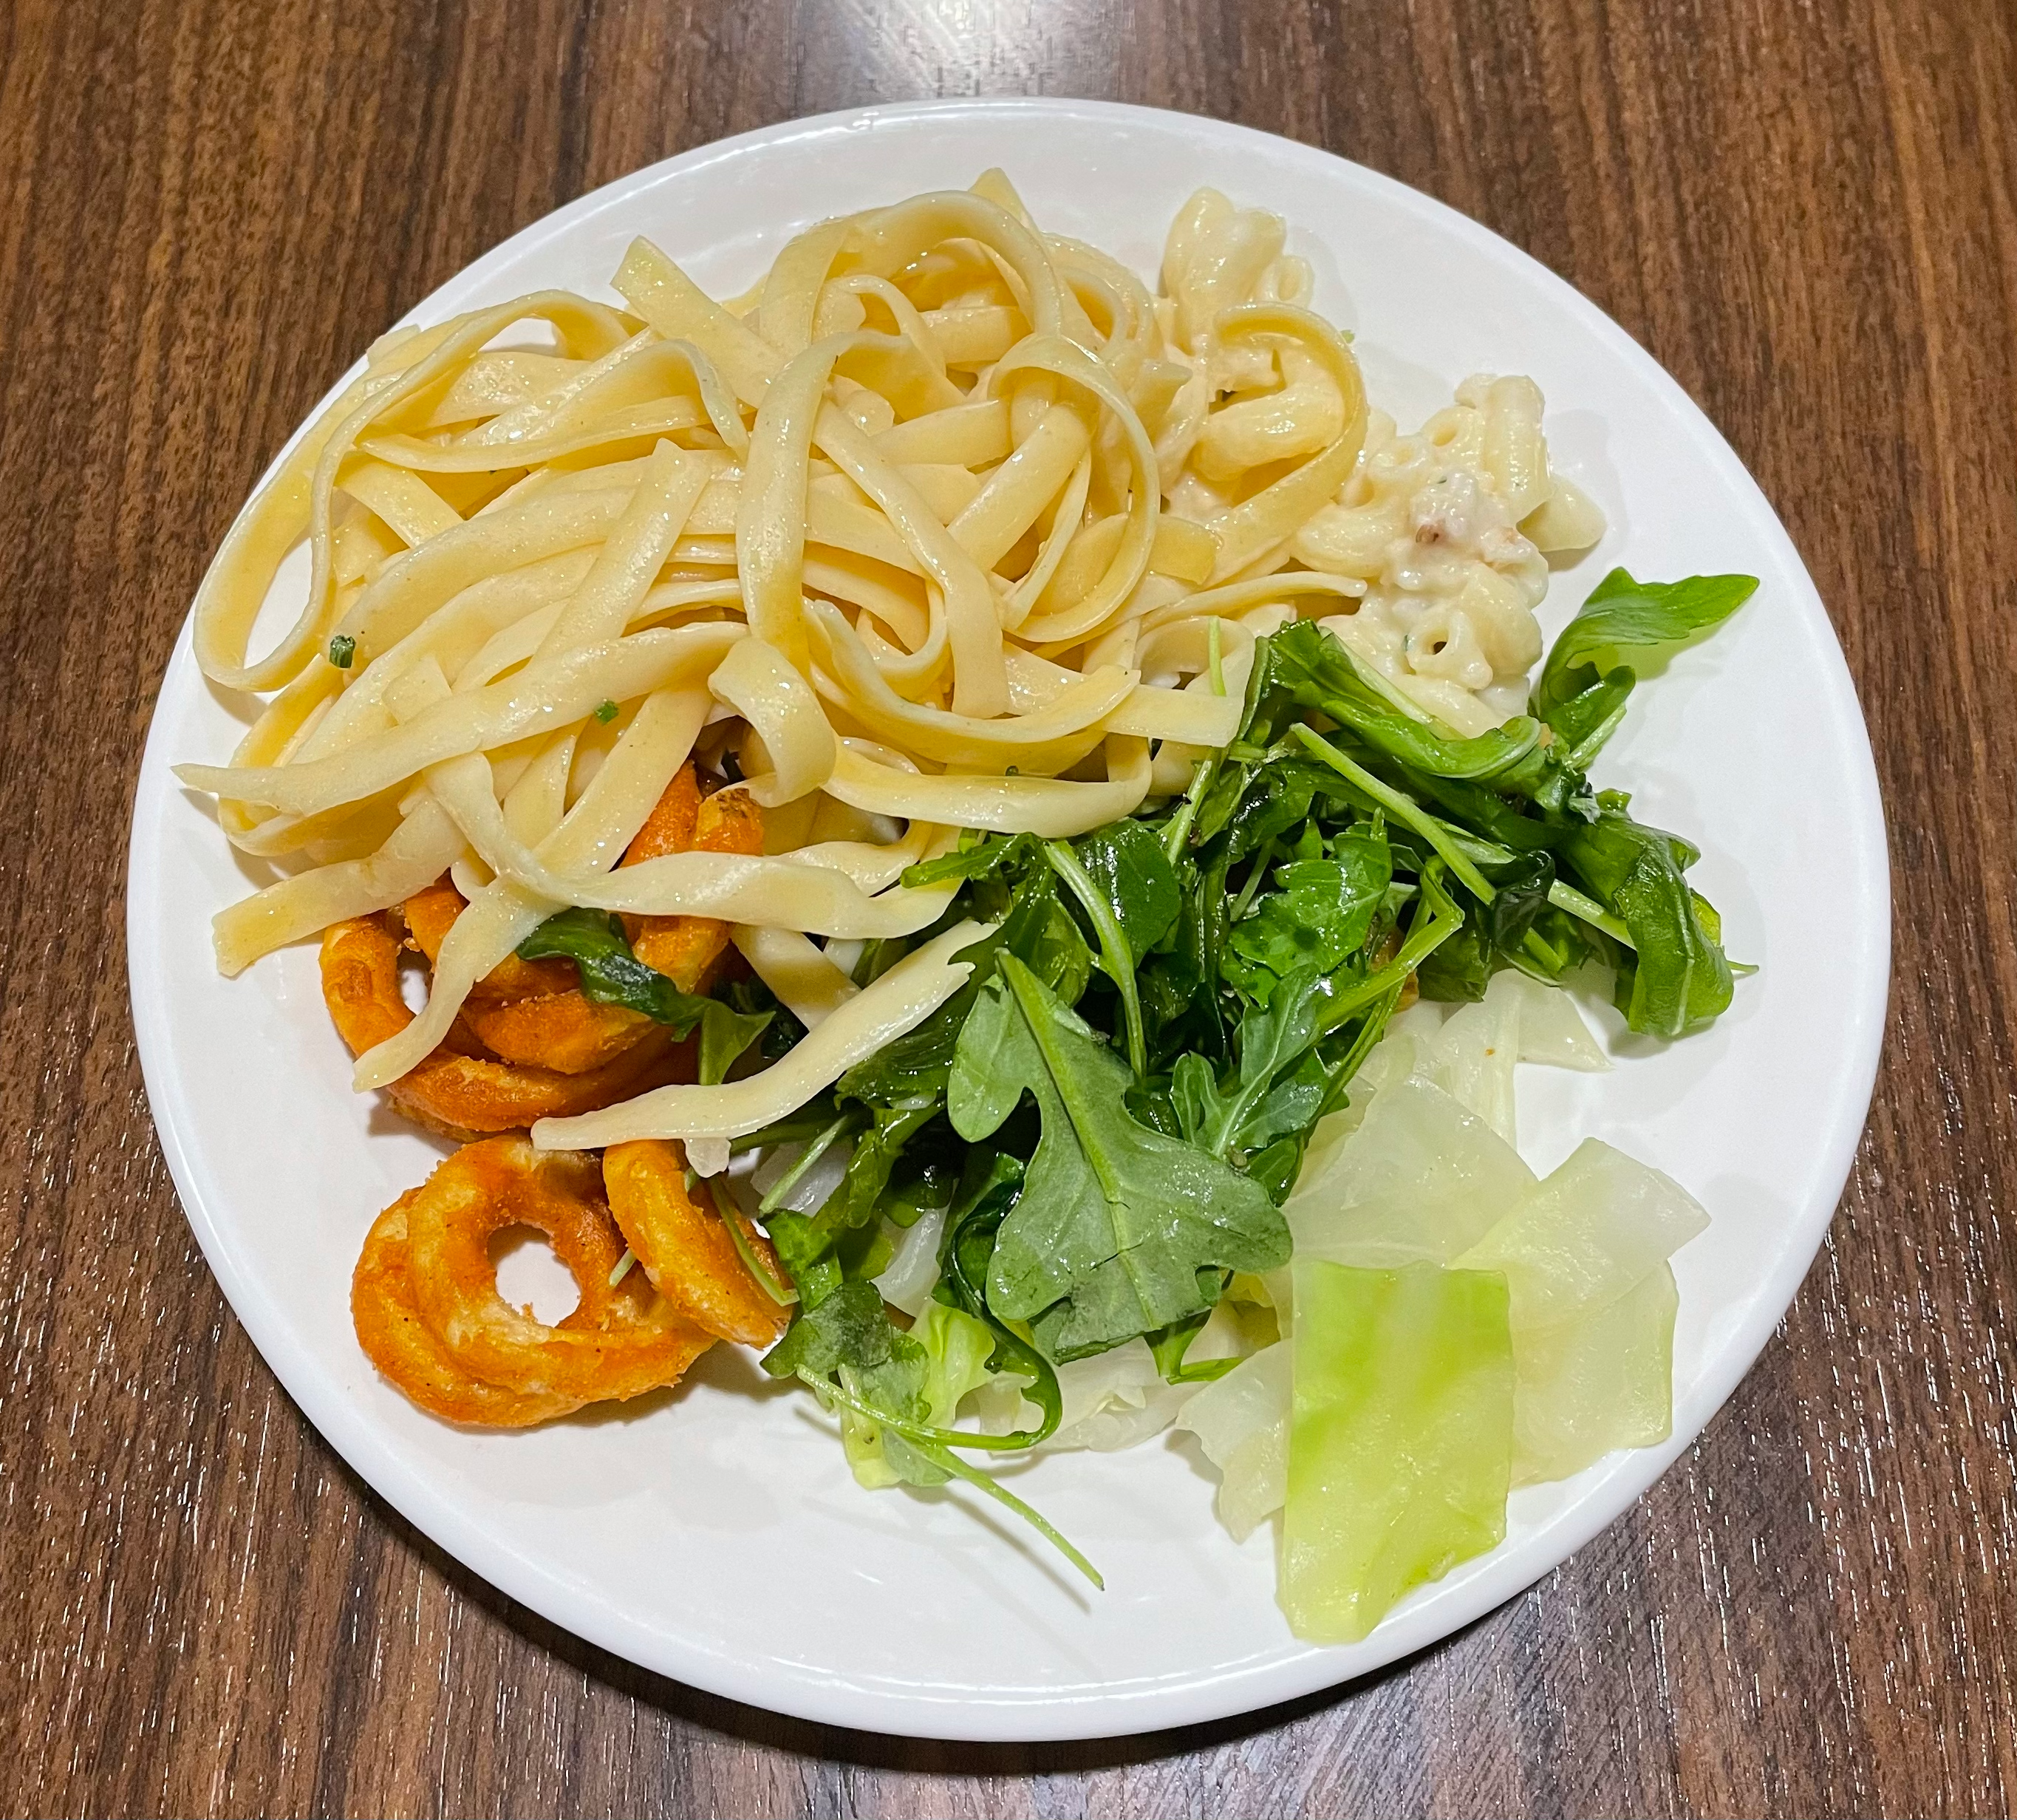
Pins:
x,y
1032,1715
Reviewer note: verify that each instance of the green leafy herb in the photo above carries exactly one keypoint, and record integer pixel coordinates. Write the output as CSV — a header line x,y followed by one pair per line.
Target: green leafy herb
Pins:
x,y
883,1381
611,974
978,856
1120,1230
1258,933
605,712
988,1190
1168,1348
1675,976
1127,862
1116,954
1319,672
1630,626
1320,912
1446,841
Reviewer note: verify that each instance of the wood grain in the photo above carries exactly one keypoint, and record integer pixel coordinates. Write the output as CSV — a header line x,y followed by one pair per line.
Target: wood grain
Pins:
x,y
1806,213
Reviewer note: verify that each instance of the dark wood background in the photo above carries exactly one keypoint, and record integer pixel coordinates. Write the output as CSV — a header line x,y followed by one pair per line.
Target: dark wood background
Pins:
x,y
1805,212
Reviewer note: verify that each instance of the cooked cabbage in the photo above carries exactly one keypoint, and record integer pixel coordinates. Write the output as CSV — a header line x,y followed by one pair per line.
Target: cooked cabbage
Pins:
x,y
1242,1422
1470,1053
912,1272
1390,1427
1421,1180
1552,1030
1585,1258
1115,1398
1600,1380
1400,1447
1471,1057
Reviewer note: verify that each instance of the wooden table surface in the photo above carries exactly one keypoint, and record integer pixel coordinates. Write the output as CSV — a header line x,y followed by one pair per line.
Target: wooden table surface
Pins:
x,y
1809,214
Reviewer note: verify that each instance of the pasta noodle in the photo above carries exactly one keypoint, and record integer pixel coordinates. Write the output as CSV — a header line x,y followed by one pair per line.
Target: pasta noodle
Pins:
x,y
948,524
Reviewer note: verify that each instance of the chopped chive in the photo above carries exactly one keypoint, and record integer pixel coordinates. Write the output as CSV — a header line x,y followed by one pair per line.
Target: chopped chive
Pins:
x,y
606,713
622,1266
342,648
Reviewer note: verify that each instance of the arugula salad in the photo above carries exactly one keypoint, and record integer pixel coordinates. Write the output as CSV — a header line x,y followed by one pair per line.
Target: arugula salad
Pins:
x,y
1154,1161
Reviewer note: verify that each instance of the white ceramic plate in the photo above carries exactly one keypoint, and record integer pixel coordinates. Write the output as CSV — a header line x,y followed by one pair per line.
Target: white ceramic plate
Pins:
x,y
715,1536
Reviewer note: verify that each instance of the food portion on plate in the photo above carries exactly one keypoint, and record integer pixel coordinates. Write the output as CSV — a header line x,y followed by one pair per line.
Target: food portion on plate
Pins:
x,y
941,807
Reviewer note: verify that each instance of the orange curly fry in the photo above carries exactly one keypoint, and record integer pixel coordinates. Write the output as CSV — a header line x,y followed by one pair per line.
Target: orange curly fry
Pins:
x,y
460,1094
404,1348
686,949
628,1340
565,1031
533,1012
429,915
670,826
684,1247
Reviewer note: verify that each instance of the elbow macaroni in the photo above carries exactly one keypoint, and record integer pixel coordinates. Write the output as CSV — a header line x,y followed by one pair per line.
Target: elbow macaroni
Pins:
x,y
1449,529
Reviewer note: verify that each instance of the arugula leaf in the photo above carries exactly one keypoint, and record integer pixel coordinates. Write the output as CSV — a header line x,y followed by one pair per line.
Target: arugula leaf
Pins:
x,y
1178,986
876,1152
1294,1101
611,974
988,1190
1116,954
978,856
1195,1098
781,1032
849,1341
1127,862
887,1387
1255,803
1319,672
1128,888
851,1327
1494,935
1448,842
924,1174
1039,931
895,1097
1677,978
1167,1348
1626,629
842,1240
1321,913
1120,1228
877,957
1459,970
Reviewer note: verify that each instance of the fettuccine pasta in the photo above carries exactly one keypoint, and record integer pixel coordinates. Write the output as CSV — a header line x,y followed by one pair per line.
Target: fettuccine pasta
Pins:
x,y
947,524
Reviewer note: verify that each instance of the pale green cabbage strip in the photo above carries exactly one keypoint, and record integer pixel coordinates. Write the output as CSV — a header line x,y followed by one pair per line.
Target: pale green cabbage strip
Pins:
x,y
1454,1326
